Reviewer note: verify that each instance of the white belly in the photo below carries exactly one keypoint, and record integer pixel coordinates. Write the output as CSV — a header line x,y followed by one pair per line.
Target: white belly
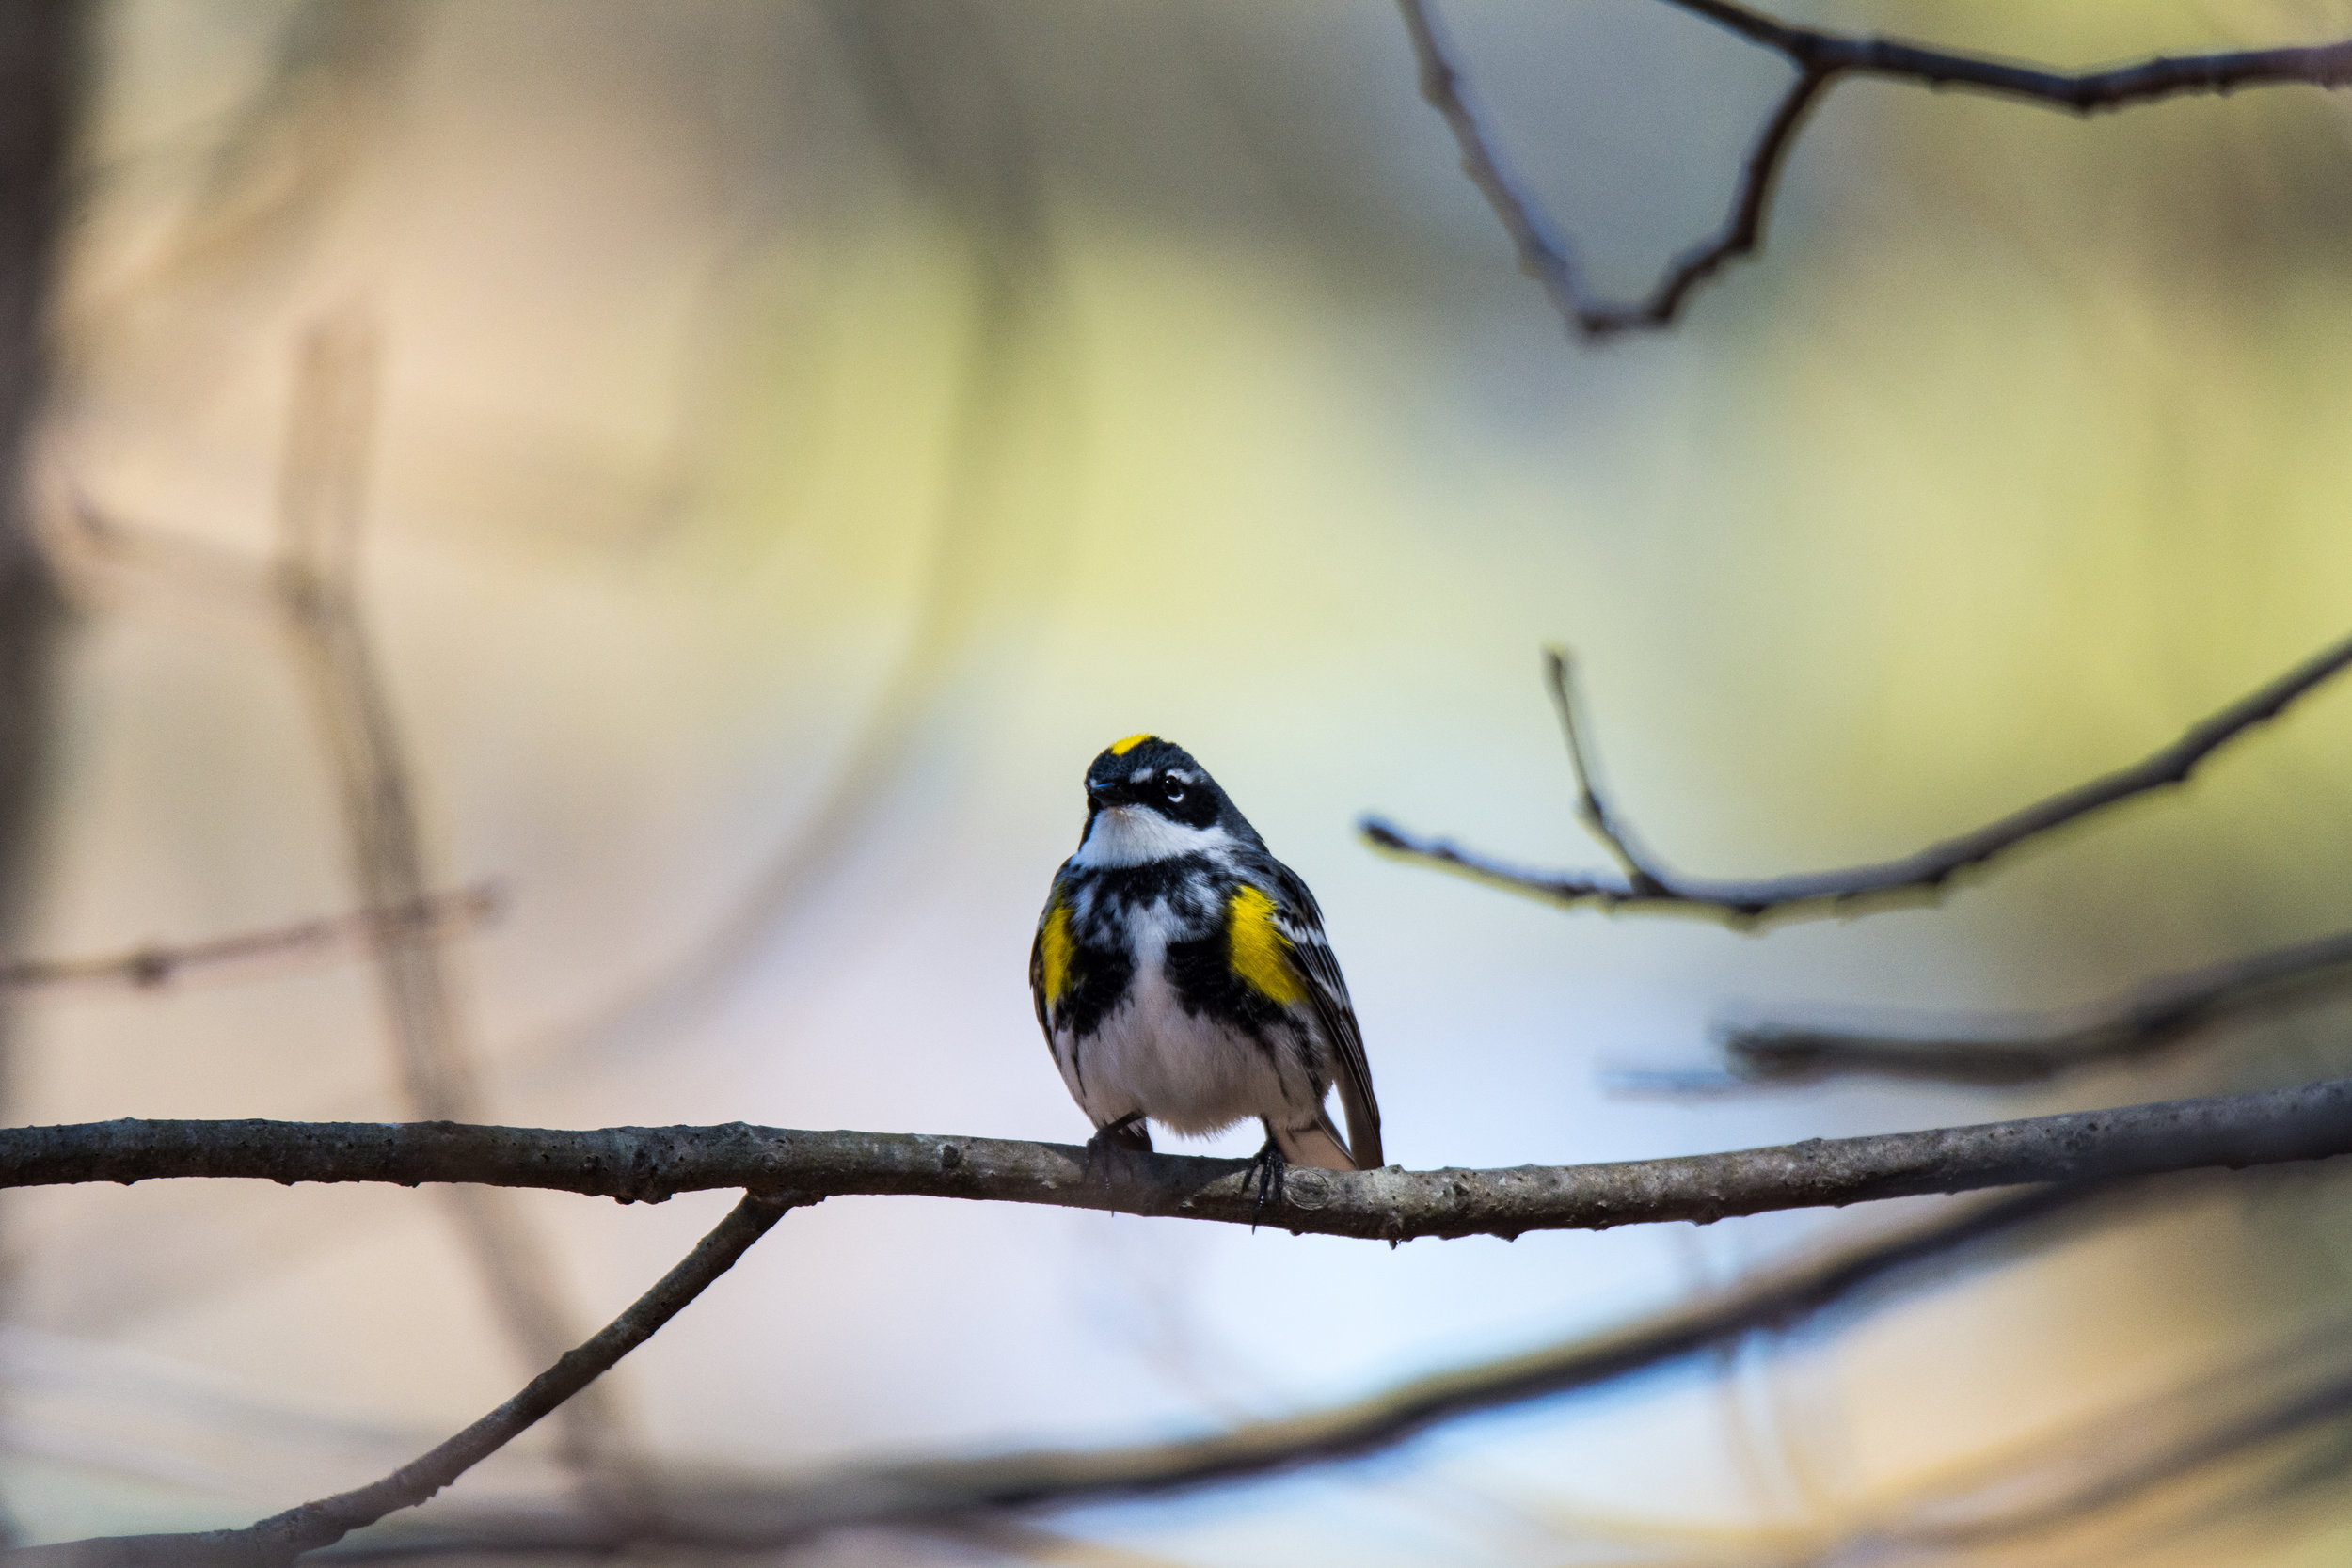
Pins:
x,y
1185,1071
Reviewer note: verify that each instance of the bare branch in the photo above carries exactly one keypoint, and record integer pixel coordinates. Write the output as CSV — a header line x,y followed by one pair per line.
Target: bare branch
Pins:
x,y
283,1537
649,1163
99,553
2088,1470
754,1514
1544,254
319,522
321,512
745,1515
2139,1024
2295,1412
1821,60
436,917
1590,807
2083,92
1924,875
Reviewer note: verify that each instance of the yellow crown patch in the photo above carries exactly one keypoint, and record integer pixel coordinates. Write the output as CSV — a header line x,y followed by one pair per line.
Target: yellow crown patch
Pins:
x,y
1120,747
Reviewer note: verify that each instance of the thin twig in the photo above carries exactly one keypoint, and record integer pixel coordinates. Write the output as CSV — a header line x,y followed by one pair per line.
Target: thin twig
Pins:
x,y
1542,255
2302,1407
1822,60
321,513
100,552
2312,1121
437,916
2089,1469
2132,1027
1923,874
1592,810
283,1537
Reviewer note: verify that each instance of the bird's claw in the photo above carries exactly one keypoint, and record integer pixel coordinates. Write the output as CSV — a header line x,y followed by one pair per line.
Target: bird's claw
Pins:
x,y
1269,1169
1127,1135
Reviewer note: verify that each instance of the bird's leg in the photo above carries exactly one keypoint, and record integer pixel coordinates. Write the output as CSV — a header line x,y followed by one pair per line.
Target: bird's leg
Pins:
x,y
1127,1134
1269,1168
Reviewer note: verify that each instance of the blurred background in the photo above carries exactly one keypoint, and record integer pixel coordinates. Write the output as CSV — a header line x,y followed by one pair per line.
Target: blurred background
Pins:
x,y
734,464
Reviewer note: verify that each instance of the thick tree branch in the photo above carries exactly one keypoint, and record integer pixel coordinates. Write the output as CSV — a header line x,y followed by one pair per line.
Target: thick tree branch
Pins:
x,y
649,1163
1925,874
1821,60
283,1537
436,917
2141,1023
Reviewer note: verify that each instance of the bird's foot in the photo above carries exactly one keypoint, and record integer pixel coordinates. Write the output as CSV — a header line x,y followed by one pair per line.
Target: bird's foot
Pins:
x,y
1127,1135
1268,1168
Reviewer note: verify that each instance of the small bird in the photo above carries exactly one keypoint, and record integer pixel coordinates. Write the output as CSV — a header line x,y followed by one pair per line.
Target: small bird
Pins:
x,y
1180,975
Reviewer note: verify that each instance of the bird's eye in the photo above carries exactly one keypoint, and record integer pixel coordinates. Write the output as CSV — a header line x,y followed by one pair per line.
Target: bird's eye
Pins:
x,y
1171,790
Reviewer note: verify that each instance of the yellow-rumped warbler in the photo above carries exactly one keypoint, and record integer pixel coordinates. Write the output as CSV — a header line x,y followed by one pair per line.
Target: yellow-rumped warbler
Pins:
x,y
1181,975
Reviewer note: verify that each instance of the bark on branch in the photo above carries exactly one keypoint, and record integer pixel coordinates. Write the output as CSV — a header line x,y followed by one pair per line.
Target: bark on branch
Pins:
x,y
1925,874
1821,60
649,1164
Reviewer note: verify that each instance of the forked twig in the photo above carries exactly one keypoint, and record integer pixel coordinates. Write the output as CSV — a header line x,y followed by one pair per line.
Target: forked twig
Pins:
x,y
1821,60
283,1537
1925,874
1590,808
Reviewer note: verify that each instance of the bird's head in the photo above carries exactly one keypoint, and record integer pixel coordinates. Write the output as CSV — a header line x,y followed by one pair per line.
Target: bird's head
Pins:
x,y
1147,799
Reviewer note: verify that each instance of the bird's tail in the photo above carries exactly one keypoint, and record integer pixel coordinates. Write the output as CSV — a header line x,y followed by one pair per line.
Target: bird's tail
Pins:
x,y
1318,1143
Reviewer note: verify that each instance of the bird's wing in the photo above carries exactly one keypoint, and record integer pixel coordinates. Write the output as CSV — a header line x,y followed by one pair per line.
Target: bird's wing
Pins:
x,y
1037,980
1040,960
1326,993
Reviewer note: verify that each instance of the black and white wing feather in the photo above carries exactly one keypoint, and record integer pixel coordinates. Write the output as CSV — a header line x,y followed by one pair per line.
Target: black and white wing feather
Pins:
x,y
1301,922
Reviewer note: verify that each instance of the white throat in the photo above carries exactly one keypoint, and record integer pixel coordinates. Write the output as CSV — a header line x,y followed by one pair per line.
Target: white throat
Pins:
x,y
1131,836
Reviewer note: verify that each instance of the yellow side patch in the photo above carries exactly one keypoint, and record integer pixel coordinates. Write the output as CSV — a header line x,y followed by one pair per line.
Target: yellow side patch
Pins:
x,y
1260,951
1120,747
1054,948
